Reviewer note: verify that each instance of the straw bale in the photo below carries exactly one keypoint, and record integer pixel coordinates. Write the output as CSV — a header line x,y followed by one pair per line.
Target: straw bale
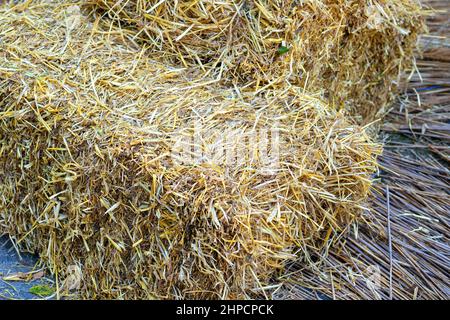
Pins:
x,y
89,174
351,50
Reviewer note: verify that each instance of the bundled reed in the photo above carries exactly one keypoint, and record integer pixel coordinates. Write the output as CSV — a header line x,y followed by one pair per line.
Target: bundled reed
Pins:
x,y
353,51
106,164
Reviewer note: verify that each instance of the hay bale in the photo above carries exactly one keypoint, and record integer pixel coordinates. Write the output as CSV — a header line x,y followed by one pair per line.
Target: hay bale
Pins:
x,y
353,51
95,172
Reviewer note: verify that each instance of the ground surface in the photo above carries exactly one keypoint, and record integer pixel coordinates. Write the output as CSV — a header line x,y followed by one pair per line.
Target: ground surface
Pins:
x,y
21,270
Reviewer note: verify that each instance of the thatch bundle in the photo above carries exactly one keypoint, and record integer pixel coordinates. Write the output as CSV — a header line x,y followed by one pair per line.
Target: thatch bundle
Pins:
x,y
92,171
352,50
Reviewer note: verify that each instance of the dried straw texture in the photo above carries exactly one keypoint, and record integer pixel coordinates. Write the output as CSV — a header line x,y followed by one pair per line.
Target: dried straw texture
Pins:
x,y
415,178
88,175
352,50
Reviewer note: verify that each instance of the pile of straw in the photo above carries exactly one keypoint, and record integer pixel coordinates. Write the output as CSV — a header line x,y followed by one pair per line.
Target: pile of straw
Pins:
x,y
90,172
351,50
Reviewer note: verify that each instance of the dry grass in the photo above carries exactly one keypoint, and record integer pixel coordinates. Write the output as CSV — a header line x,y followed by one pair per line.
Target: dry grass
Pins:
x,y
415,168
351,51
88,125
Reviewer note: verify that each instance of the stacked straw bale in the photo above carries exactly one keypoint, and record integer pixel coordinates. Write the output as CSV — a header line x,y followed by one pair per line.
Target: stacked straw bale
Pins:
x,y
351,50
90,174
